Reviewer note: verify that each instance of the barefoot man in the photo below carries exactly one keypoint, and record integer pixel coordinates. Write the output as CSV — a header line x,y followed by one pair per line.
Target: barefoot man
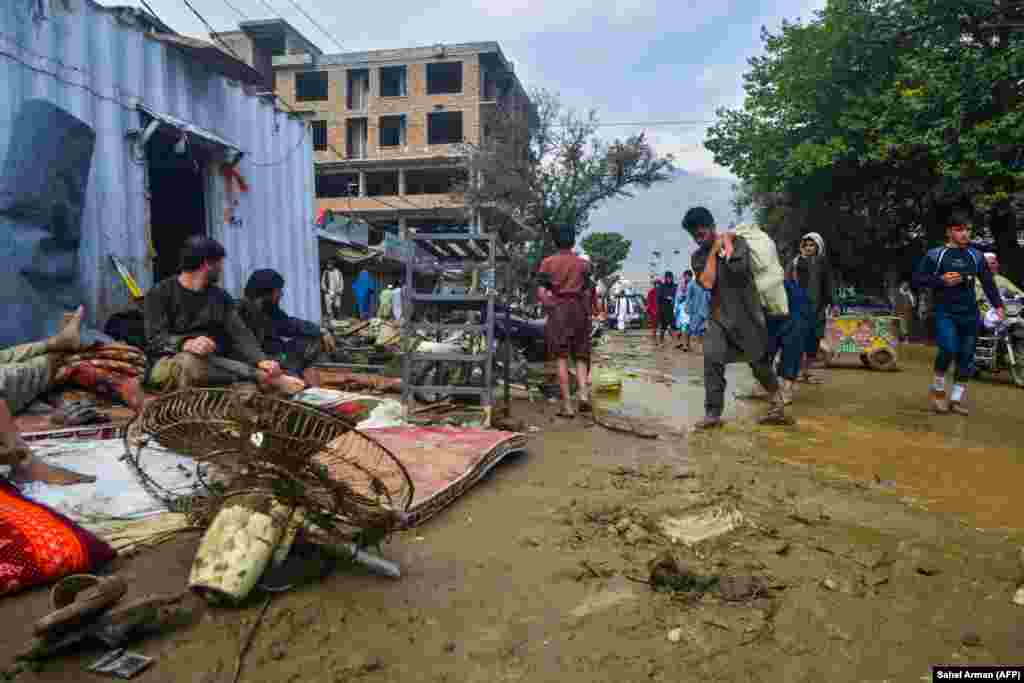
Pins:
x,y
565,290
26,372
194,334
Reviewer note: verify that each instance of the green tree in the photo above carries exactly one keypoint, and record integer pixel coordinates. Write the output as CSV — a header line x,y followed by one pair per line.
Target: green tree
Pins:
x,y
607,252
858,123
547,167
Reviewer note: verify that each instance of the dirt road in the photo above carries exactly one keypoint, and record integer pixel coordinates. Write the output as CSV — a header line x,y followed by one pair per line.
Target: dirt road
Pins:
x,y
856,556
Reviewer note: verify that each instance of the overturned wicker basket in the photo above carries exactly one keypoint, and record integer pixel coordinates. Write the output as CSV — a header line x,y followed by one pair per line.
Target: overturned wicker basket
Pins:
x,y
302,455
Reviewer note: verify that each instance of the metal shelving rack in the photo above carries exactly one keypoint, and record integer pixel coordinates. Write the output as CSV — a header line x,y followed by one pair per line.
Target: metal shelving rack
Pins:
x,y
450,251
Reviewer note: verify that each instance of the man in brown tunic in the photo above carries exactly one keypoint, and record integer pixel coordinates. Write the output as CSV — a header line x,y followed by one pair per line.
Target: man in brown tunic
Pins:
x,y
565,290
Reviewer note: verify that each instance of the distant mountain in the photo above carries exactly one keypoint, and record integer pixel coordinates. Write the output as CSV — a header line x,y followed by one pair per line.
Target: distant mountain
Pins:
x,y
652,220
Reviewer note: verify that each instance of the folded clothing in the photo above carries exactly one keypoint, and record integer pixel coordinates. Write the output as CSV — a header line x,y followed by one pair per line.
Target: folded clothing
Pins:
x,y
39,545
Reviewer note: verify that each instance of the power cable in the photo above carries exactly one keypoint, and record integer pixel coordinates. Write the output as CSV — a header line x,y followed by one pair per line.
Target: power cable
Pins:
x,y
317,24
236,10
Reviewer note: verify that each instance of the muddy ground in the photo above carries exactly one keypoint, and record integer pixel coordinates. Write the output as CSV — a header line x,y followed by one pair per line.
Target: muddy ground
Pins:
x,y
877,540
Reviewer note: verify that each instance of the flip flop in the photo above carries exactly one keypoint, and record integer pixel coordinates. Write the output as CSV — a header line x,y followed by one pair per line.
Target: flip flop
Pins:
x,y
78,598
585,407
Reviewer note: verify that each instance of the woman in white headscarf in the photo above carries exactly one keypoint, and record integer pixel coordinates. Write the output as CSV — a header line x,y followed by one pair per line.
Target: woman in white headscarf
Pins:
x,y
812,271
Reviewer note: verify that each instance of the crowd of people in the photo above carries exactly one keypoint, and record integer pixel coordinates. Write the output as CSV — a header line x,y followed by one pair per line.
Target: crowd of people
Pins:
x,y
716,308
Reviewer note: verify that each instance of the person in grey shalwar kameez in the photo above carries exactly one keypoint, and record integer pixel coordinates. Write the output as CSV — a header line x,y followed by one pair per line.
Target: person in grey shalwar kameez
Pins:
x,y
737,328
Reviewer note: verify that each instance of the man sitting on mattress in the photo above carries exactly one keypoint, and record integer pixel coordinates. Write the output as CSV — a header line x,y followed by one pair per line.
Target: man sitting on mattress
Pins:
x,y
26,372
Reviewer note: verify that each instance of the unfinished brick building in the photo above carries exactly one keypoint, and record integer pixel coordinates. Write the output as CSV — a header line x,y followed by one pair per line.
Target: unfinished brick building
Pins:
x,y
389,126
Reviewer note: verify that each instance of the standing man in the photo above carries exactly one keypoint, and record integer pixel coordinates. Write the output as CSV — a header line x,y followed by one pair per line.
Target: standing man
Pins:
x,y
737,328
950,273
666,297
812,271
332,284
652,309
364,288
564,288
194,334
698,300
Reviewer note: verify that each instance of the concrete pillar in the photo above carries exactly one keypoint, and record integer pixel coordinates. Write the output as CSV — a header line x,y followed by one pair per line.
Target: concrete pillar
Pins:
x,y
403,230
362,183
401,182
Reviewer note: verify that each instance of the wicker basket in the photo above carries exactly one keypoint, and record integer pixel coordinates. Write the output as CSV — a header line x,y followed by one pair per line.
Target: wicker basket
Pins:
x,y
258,442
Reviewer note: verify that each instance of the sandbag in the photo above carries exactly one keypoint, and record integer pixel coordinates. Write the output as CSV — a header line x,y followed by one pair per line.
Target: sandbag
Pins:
x,y
769,277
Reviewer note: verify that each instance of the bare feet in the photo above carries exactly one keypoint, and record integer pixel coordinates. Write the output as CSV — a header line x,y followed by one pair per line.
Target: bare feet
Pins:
x,y
37,470
286,384
69,339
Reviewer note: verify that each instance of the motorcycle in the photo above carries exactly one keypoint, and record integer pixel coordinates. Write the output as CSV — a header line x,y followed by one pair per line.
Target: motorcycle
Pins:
x,y
1002,347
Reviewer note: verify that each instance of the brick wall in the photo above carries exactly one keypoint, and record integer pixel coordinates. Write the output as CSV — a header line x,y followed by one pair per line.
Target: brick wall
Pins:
x,y
416,106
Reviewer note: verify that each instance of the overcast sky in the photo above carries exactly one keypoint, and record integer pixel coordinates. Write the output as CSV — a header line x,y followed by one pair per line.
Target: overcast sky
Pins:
x,y
635,60
641,60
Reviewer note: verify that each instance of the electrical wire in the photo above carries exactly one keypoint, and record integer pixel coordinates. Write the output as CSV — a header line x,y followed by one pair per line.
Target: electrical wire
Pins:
x,y
315,23
213,34
236,10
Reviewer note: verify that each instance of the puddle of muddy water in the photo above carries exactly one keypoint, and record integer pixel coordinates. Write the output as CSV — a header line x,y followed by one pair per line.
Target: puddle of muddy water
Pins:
x,y
650,396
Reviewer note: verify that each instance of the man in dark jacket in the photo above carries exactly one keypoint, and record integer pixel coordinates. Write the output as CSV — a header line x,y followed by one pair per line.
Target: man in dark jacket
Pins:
x,y
950,272
665,302
737,327
194,335
295,342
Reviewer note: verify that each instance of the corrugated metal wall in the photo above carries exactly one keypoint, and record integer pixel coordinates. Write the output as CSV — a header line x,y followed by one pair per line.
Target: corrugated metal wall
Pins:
x,y
97,65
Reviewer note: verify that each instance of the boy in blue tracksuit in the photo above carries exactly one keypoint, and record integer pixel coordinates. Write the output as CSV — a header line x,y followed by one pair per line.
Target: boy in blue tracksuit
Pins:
x,y
950,272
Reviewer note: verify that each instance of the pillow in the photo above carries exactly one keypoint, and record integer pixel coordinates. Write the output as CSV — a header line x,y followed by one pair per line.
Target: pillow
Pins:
x,y
39,545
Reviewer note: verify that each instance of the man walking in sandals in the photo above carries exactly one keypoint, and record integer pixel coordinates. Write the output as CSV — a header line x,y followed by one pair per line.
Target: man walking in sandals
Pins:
x,y
564,289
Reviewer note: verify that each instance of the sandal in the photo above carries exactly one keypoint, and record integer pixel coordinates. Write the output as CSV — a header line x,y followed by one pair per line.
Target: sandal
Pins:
x,y
78,598
585,407
565,414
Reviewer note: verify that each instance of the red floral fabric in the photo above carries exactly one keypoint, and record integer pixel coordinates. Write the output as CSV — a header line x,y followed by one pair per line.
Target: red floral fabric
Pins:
x,y
39,545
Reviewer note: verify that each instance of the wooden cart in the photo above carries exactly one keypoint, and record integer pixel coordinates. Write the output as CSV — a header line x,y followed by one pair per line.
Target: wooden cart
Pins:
x,y
875,339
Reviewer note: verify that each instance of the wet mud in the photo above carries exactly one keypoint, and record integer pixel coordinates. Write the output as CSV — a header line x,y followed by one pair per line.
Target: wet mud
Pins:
x,y
867,543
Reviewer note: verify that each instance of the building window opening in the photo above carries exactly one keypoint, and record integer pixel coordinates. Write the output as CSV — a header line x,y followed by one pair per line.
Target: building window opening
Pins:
x,y
444,127
392,131
392,81
334,185
434,180
311,86
444,78
355,138
358,89
382,184
177,187
319,130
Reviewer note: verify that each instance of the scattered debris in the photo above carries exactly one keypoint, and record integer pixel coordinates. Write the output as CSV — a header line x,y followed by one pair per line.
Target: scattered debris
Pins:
x,y
705,525
121,664
675,635
449,647
667,574
249,636
970,639
829,584
739,588
928,571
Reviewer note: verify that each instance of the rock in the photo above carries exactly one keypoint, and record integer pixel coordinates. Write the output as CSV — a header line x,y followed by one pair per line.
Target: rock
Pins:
x,y
636,534
829,584
970,639
782,549
738,588
1018,597
373,664
622,526
675,635
531,542
664,570
928,571
449,647
278,651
